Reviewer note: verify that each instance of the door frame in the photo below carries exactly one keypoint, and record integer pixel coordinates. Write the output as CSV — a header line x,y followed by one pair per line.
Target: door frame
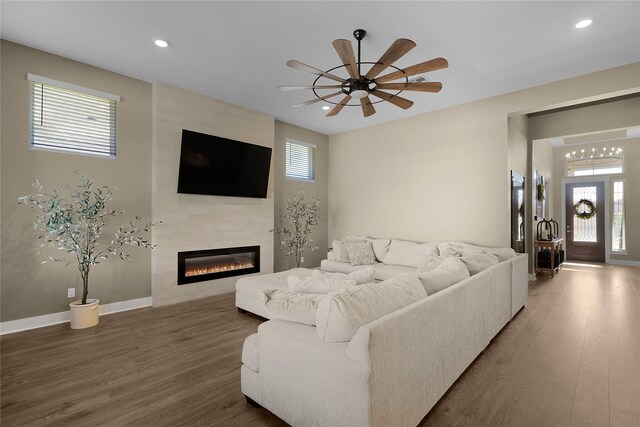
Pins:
x,y
607,220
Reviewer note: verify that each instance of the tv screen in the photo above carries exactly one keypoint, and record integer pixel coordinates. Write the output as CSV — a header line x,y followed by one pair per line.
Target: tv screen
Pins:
x,y
222,167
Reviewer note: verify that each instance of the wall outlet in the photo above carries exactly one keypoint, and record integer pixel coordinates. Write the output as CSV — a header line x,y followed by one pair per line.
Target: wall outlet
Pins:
x,y
71,292
301,259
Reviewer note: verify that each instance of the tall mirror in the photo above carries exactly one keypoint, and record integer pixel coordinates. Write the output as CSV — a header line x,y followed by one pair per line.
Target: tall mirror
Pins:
x,y
517,212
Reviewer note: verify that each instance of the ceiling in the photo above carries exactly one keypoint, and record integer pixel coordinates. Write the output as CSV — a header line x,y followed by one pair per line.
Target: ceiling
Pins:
x,y
596,137
237,51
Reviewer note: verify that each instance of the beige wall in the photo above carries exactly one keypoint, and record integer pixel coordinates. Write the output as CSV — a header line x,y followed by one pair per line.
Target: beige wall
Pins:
x,y
285,188
29,288
195,222
443,175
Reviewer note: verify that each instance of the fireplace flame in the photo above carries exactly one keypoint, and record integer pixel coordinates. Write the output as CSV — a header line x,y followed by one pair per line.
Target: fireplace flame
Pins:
x,y
217,268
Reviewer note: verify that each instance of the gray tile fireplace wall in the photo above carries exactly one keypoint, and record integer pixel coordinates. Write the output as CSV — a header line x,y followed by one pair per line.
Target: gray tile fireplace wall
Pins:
x,y
196,222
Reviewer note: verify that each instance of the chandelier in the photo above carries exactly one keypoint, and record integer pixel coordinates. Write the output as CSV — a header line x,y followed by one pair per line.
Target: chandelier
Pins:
x,y
594,158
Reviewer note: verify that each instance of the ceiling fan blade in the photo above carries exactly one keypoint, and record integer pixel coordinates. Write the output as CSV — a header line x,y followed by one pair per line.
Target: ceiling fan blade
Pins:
x,y
396,100
434,87
309,69
431,65
395,52
344,49
287,88
367,107
335,110
313,101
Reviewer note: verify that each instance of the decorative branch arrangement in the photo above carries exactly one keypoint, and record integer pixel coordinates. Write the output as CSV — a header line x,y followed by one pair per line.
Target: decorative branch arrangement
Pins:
x,y
303,215
74,224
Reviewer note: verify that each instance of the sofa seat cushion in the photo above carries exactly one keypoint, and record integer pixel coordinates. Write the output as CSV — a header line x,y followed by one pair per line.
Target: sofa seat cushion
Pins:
x,y
319,285
384,272
340,314
250,352
341,267
254,286
361,277
451,271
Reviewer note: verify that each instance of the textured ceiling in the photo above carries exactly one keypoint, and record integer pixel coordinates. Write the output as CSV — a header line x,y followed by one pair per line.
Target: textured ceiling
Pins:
x,y
237,51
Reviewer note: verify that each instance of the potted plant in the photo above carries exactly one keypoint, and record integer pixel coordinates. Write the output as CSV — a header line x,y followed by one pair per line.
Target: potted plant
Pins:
x,y
303,215
74,224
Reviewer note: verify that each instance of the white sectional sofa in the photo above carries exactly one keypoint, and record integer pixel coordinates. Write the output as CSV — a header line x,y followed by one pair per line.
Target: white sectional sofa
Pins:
x,y
394,369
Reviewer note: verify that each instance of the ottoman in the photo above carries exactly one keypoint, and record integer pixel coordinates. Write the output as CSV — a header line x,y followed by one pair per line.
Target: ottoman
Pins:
x,y
249,289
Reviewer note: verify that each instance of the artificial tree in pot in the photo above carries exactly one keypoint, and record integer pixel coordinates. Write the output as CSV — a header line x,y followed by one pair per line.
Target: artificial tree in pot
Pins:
x,y
302,214
74,224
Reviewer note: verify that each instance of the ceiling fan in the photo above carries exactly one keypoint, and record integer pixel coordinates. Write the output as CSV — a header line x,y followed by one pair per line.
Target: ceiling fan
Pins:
x,y
360,86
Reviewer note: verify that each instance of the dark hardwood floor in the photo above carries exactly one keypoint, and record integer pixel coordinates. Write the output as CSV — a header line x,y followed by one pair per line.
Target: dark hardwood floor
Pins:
x,y
571,357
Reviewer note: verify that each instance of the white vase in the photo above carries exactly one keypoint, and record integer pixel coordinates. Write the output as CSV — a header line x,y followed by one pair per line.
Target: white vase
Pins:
x,y
84,315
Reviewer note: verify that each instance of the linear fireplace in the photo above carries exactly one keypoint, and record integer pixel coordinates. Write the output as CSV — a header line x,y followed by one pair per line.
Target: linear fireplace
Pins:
x,y
210,264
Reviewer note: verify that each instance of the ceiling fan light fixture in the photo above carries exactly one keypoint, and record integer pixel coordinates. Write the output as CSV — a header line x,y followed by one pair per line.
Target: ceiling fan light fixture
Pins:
x,y
161,43
359,93
326,107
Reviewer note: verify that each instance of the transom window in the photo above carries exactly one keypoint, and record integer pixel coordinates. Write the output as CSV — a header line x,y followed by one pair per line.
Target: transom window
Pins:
x,y
300,160
72,119
602,160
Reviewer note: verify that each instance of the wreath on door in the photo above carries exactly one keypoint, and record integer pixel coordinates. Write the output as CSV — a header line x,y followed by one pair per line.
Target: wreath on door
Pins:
x,y
584,209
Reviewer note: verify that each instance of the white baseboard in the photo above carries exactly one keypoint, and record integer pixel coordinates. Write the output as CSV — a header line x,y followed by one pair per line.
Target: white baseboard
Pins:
x,y
12,326
532,276
623,262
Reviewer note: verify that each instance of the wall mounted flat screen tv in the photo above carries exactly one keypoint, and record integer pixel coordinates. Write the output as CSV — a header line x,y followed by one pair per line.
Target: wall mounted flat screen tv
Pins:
x,y
222,167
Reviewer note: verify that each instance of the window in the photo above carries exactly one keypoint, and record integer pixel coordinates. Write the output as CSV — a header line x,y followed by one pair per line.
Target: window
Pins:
x,y
300,160
71,118
617,235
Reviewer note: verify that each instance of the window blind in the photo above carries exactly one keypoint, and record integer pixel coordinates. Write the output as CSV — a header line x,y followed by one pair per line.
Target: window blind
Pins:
x,y
300,160
72,119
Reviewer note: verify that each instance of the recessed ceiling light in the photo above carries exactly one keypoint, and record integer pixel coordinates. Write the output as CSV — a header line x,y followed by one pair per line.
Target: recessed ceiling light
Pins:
x,y
584,23
325,107
161,43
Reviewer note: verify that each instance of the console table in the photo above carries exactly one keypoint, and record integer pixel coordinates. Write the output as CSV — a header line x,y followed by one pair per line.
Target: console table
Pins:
x,y
555,246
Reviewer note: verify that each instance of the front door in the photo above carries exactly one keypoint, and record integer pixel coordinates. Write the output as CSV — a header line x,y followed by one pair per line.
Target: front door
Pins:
x,y
585,221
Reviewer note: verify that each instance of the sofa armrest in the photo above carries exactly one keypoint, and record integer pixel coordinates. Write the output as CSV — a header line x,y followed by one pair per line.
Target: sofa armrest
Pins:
x,y
298,370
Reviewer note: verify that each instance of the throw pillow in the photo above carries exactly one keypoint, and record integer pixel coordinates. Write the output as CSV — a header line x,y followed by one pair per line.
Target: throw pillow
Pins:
x,y
448,249
317,285
360,253
479,261
340,314
408,254
366,275
451,271
380,248
429,262
340,251
292,306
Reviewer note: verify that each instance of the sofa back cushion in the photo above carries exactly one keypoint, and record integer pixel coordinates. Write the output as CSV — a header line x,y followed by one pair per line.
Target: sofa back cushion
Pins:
x,y
451,271
361,277
429,262
340,314
380,248
408,254
292,306
476,262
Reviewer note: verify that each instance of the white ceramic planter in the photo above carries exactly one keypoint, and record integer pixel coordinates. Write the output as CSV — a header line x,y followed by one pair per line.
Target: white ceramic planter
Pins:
x,y
84,315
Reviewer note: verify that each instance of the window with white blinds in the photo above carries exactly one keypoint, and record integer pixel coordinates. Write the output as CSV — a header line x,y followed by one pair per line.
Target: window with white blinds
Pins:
x,y
300,160
72,119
